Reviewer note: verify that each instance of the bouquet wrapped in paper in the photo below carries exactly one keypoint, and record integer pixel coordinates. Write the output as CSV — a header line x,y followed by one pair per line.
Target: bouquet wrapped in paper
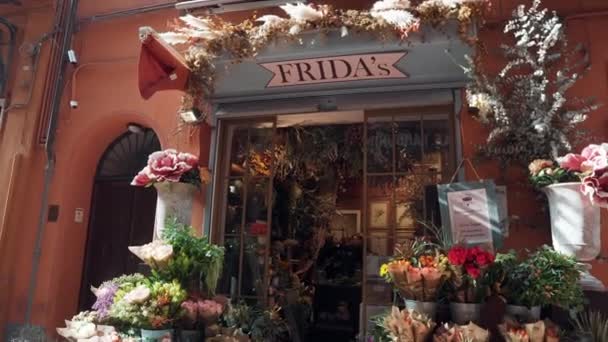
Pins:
x,y
417,277
540,331
403,326
473,333
461,333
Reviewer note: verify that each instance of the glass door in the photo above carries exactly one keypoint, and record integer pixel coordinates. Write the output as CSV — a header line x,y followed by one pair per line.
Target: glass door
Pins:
x,y
246,199
407,152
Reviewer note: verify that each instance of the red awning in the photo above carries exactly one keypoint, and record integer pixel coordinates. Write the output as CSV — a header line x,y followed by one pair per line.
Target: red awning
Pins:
x,y
160,66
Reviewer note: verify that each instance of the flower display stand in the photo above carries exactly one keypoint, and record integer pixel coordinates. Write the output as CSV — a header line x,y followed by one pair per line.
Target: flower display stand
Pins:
x,y
174,200
575,227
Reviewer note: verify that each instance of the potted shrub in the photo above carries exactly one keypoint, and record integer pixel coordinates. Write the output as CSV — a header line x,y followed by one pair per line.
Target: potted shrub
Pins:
x,y
502,280
576,187
176,177
545,278
468,266
417,271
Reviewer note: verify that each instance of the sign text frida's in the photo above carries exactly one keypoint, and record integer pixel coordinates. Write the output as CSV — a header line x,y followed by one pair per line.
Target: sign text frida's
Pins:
x,y
335,69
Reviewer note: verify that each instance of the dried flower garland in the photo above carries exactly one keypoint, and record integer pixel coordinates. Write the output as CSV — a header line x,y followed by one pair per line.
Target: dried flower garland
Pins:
x,y
210,38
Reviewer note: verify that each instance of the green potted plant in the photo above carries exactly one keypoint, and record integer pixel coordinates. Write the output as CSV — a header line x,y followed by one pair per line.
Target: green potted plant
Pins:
x,y
546,277
181,255
503,278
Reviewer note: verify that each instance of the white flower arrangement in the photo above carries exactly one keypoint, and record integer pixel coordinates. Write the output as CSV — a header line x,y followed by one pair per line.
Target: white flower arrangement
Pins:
x,y
82,328
138,295
156,254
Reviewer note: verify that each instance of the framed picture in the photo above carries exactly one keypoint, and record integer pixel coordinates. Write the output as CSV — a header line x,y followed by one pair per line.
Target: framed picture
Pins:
x,y
403,215
377,244
378,214
345,223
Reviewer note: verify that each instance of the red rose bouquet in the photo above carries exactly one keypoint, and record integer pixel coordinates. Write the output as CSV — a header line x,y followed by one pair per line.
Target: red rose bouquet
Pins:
x,y
468,266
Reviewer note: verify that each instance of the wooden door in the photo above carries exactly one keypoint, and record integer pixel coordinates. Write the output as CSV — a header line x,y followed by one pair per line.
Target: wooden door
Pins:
x,y
121,215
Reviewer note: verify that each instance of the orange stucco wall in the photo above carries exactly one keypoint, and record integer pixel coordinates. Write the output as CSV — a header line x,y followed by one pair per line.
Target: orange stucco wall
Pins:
x,y
105,86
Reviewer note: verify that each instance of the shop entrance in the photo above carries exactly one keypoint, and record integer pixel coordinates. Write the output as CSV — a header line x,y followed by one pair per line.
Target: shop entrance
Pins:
x,y
121,214
312,203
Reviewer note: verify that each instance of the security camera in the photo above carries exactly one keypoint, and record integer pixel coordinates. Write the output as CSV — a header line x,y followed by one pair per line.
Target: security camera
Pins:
x,y
72,57
74,104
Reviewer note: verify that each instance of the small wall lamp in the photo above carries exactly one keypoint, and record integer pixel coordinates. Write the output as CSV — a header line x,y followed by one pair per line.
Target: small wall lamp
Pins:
x,y
135,128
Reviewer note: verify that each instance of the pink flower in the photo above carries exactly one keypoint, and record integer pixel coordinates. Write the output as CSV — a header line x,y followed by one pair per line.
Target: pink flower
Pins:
x,y
571,162
167,165
189,159
596,158
592,158
191,310
595,187
144,178
210,308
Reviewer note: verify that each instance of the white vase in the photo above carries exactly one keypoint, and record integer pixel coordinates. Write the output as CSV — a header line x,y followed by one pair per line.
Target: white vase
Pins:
x,y
575,222
174,200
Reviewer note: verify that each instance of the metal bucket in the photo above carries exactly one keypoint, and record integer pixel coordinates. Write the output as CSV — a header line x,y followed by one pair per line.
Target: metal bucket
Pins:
x,y
463,313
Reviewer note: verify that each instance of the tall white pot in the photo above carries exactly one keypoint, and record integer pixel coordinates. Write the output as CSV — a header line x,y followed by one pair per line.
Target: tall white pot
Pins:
x,y
173,200
575,222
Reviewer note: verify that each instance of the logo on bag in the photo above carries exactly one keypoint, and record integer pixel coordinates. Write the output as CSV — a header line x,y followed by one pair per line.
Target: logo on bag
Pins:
x,y
335,69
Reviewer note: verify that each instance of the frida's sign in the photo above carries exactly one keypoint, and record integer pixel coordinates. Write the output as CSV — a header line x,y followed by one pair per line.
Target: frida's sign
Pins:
x,y
335,69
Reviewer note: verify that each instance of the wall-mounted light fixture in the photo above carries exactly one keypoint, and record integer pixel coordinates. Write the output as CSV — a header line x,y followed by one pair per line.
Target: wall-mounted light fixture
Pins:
x,y
135,128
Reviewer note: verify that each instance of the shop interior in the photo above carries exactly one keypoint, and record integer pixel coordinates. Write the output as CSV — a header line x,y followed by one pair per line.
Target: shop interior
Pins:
x,y
313,203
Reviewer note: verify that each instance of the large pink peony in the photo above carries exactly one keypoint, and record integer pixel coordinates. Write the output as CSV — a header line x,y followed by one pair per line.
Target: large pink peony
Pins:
x,y
165,166
596,158
592,158
144,178
595,186
571,162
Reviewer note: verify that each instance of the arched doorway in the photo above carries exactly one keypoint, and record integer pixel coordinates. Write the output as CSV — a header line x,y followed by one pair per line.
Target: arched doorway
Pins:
x,y
121,214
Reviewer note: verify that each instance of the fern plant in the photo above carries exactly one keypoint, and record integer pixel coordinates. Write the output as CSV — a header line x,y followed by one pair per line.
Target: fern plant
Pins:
x,y
525,106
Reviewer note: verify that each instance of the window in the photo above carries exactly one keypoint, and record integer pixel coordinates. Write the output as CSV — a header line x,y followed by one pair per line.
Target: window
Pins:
x,y
400,155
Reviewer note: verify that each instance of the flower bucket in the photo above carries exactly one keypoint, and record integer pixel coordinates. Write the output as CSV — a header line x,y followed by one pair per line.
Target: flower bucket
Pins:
x,y
463,313
524,313
428,309
174,200
575,222
156,335
191,336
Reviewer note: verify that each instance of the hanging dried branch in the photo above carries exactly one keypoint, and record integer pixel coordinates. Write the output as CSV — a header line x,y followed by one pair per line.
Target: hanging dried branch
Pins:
x,y
526,106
